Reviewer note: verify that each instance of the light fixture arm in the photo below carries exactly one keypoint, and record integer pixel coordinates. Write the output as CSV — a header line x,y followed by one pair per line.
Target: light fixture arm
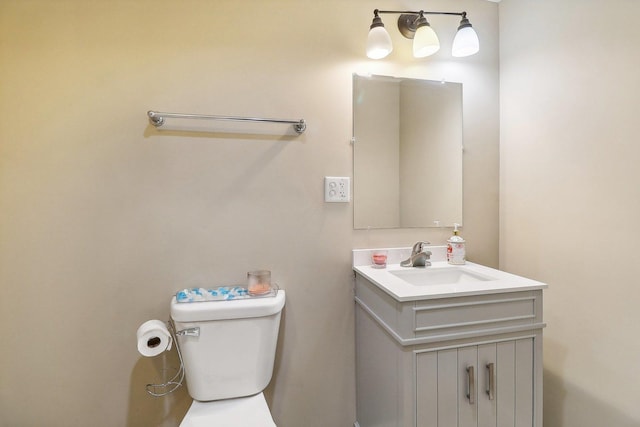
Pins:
x,y
424,12
407,21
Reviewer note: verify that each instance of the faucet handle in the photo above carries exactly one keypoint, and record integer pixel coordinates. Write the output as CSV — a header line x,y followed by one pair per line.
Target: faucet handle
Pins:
x,y
419,247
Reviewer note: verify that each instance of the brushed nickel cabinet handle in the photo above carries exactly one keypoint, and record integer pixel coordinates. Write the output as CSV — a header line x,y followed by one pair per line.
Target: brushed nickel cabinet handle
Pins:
x,y
471,383
491,384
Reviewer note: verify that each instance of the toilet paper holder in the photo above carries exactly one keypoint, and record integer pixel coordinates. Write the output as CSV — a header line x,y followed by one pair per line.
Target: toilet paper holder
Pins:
x,y
163,389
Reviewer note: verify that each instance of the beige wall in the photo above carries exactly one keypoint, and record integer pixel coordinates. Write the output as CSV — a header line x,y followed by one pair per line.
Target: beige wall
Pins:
x,y
102,217
569,196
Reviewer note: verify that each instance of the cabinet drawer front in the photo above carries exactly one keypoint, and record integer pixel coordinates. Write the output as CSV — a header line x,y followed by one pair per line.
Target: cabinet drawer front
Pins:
x,y
467,315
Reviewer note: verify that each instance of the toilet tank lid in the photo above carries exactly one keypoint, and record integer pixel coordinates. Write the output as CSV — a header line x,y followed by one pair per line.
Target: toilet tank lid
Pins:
x,y
223,310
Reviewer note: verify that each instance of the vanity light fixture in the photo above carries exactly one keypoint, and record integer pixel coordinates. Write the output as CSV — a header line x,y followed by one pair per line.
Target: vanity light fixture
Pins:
x,y
378,42
414,25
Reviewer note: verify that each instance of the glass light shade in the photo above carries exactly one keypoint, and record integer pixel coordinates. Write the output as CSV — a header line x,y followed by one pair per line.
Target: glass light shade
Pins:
x,y
378,43
425,42
465,43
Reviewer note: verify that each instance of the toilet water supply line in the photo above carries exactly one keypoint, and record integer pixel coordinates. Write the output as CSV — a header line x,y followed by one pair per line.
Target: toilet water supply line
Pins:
x,y
174,382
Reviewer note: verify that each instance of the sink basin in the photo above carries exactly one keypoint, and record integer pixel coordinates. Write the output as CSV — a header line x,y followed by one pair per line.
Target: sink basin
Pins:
x,y
440,280
439,276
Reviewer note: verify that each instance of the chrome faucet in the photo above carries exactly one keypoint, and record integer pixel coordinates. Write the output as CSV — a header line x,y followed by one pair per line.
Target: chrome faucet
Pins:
x,y
419,256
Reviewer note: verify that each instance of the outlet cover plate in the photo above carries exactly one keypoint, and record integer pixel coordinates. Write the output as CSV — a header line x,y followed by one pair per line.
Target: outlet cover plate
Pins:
x,y
337,189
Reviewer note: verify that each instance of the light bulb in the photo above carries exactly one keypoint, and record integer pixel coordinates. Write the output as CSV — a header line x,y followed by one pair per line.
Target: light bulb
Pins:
x,y
425,42
378,43
466,41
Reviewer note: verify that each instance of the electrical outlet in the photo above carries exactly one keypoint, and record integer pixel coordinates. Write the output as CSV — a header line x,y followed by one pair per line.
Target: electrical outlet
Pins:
x,y
337,189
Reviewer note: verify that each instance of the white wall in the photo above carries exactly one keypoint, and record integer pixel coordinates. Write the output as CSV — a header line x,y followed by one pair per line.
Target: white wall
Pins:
x,y
102,217
569,195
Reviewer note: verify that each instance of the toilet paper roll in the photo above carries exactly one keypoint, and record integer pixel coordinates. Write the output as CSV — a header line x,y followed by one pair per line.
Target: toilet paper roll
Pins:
x,y
153,338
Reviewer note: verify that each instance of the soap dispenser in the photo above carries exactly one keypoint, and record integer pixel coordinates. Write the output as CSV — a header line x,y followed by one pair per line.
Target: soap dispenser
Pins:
x,y
456,252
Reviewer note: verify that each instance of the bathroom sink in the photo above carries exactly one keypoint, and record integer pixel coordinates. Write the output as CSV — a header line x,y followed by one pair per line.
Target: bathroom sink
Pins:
x,y
439,276
440,280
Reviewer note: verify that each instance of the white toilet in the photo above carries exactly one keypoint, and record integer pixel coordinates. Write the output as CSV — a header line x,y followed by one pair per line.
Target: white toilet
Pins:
x,y
228,349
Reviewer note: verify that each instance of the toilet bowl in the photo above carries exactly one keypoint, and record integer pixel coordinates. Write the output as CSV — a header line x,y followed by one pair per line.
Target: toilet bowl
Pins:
x,y
249,411
228,352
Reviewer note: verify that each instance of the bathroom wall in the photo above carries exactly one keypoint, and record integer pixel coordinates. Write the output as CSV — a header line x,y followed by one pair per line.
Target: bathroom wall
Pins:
x,y
103,217
569,196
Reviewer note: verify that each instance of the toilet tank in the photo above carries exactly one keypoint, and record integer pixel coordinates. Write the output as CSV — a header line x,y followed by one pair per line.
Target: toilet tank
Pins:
x,y
234,353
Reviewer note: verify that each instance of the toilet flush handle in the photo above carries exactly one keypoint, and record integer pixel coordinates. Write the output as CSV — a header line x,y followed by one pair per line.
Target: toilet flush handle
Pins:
x,y
189,332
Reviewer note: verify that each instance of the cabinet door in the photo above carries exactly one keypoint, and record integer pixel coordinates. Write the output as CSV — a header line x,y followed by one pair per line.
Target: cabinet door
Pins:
x,y
446,388
437,388
489,385
512,403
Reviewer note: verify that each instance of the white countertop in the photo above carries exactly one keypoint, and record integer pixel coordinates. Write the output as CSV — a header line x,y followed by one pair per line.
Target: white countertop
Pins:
x,y
399,289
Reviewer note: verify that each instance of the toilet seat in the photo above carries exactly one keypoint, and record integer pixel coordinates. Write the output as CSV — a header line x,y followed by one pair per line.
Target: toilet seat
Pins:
x,y
251,411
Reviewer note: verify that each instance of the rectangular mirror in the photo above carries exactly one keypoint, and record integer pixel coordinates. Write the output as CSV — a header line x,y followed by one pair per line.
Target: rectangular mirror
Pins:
x,y
407,155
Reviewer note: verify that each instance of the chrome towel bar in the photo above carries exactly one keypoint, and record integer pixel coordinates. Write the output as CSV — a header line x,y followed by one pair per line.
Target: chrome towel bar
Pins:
x,y
157,119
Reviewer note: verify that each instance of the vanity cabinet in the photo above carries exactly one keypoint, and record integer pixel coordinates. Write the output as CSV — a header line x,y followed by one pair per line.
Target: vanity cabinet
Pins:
x,y
450,360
